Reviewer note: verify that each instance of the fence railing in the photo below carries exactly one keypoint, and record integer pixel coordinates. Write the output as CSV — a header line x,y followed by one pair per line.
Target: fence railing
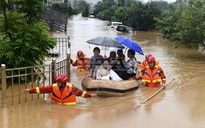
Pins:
x,y
14,80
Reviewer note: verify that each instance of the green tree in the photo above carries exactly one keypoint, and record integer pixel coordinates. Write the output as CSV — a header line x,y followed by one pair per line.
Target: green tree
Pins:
x,y
191,24
141,16
119,14
167,22
185,25
85,12
104,10
81,5
23,39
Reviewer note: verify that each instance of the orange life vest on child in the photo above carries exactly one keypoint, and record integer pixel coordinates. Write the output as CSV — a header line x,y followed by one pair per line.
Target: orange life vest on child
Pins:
x,y
66,97
152,77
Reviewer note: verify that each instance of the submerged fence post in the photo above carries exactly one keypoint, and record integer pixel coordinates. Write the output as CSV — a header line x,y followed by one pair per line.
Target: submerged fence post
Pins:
x,y
68,58
68,67
53,64
3,84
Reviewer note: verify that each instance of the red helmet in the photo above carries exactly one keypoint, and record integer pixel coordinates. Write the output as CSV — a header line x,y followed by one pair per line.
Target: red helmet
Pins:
x,y
62,78
151,59
79,53
147,56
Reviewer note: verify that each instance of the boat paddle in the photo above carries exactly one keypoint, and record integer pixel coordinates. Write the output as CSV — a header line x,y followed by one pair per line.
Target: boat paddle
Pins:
x,y
159,90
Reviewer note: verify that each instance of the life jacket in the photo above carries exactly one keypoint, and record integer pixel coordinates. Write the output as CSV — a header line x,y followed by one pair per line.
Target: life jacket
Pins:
x,y
152,77
66,97
83,64
144,65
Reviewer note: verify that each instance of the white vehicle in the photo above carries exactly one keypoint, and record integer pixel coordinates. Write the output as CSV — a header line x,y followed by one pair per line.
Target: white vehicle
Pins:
x,y
91,16
115,24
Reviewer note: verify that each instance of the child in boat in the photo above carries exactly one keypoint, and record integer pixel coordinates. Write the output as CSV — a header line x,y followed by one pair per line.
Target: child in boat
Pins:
x,y
104,72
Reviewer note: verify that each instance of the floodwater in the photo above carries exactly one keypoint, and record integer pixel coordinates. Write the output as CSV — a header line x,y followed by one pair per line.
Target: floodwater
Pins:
x,y
180,105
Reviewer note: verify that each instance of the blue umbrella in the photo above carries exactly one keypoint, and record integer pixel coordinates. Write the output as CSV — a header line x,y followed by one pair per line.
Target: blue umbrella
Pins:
x,y
130,44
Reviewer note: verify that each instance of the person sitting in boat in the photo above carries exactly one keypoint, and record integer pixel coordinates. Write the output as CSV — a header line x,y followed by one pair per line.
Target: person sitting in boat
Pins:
x,y
104,72
120,53
153,75
61,92
119,66
131,65
112,58
82,62
95,62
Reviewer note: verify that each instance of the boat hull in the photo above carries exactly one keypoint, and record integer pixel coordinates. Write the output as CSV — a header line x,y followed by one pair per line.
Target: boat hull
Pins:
x,y
109,87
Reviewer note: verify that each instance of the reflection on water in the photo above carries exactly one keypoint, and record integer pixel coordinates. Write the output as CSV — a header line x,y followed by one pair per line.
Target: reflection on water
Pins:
x,y
181,104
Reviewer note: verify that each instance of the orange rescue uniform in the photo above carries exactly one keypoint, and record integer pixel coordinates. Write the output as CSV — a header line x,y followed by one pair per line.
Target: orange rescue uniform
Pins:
x,y
83,64
66,95
144,65
152,78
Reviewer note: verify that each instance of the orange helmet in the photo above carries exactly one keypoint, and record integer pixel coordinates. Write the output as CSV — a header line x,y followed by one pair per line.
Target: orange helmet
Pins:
x,y
151,59
147,56
79,53
62,78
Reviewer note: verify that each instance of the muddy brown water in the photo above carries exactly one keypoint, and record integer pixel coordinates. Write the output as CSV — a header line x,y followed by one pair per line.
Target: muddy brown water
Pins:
x,y
180,105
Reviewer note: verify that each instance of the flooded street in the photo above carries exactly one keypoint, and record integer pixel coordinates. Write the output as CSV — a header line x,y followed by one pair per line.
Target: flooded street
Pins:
x,y
180,105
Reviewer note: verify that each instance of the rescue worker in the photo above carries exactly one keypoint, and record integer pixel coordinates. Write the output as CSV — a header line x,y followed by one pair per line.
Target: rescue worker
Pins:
x,y
82,62
61,92
144,63
142,66
153,75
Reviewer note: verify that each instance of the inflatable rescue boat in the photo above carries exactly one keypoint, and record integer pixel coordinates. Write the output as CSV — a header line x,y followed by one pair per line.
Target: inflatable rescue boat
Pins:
x,y
109,87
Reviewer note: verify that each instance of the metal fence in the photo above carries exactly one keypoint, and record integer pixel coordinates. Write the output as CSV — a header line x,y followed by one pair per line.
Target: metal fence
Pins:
x,y
13,81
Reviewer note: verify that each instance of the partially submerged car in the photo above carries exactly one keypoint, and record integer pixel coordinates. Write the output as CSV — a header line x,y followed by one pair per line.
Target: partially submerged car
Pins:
x,y
124,29
115,24
91,16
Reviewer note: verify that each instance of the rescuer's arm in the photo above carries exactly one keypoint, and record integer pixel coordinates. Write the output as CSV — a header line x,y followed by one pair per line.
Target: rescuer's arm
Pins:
x,y
82,93
40,89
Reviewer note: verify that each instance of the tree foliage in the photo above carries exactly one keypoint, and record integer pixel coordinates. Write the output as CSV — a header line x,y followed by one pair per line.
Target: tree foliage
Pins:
x,y
185,25
141,16
105,10
23,39
85,11
63,8
130,12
